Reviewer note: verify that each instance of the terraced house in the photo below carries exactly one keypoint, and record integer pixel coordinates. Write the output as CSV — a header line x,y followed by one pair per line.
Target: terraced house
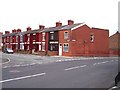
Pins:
x,y
73,39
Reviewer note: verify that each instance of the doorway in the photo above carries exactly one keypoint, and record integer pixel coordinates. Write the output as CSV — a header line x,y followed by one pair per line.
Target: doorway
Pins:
x,y
60,49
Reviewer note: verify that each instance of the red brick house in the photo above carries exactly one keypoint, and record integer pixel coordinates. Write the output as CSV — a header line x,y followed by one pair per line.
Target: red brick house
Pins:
x,y
11,40
114,44
79,39
73,39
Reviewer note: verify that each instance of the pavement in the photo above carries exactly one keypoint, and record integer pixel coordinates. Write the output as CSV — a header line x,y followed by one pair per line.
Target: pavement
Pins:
x,y
31,71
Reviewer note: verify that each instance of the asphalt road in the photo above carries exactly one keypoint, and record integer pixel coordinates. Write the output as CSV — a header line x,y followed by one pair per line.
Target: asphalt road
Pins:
x,y
86,73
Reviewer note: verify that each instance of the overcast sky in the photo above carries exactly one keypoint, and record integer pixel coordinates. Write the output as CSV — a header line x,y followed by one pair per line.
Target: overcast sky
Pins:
x,y
16,14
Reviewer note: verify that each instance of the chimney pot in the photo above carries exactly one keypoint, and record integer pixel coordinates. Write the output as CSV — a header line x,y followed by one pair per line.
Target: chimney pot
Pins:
x,y
41,27
7,32
18,30
58,24
28,29
70,22
13,31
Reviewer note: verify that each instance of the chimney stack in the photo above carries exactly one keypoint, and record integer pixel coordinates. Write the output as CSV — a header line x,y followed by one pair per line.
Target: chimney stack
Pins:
x,y
13,31
18,30
41,27
7,32
70,22
28,29
58,24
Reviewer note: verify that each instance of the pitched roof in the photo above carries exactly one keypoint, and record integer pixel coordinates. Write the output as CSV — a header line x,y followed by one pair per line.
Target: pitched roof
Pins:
x,y
11,34
64,27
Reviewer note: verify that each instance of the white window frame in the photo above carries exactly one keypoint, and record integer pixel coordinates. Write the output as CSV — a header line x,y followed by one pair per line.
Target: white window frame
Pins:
x,y
43,46
16,38
21,46
66,35
64,47
92,37
28,37
16,46
21,38
43,36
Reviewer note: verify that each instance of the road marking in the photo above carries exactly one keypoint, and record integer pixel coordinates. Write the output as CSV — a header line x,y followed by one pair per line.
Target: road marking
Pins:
x,y
14,71
103,62
7,61
6,66
25,77
75,67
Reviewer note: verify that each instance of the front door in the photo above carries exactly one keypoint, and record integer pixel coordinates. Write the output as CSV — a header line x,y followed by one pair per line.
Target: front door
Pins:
x,y
60,49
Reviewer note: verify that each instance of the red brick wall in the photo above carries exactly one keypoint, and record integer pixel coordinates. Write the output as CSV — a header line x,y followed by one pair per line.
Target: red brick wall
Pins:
x,y
80,43
101,44
62,41
114,44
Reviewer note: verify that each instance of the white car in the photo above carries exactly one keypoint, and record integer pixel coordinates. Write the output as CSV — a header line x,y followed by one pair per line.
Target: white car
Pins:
x,y
8,50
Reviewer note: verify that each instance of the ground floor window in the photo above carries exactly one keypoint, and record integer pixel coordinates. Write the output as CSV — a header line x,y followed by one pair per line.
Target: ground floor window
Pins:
x,y
66,47
27,47
43,46
53,47
16,46
21,47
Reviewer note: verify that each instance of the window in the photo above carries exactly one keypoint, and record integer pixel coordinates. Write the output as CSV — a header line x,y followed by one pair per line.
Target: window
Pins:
x,y
52,36
65,35
28,37
7,39
21,47
92,38
51,47
54,47
16,46
43,46
21,38
16,38
34,37
66,47
43,36
10,38
28,47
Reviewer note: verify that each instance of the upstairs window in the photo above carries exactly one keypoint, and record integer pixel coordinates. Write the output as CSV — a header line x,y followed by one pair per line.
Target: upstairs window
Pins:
x,y
92,37
21,38
7,39
43,36
51,35
10,38
66,47
28,37
34,37
17,38
65,35
43,46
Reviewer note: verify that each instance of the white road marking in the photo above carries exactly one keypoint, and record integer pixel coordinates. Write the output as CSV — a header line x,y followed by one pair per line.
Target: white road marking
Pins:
x,y
14,71
6,66
103,62
7,61
24,77
75,67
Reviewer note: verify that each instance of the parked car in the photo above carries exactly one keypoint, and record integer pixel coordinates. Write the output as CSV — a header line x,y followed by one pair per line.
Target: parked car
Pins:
x,y
8,50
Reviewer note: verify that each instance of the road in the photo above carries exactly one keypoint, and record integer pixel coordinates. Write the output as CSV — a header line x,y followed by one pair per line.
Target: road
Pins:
x,y
62,73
